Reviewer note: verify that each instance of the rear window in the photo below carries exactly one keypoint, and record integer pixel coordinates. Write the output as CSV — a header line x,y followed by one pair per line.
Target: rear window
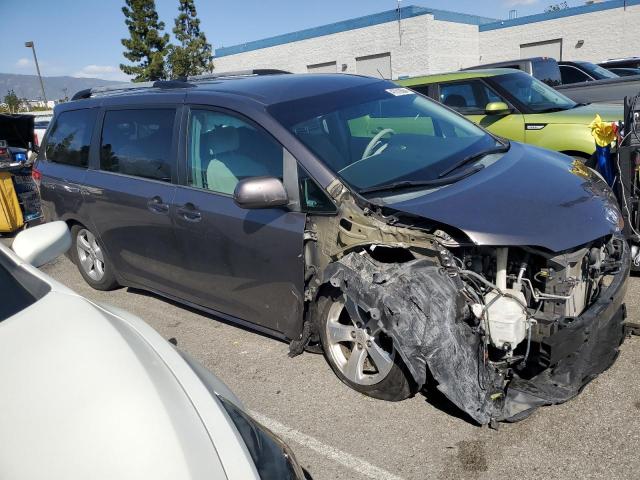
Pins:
x,y
547,71
70,137
138,142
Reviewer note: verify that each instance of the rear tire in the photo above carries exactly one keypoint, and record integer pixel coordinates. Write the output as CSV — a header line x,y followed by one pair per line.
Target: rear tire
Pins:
x,y
352,350
91,259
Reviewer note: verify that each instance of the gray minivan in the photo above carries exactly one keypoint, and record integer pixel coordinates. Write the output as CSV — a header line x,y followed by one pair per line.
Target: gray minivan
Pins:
x,y
348,215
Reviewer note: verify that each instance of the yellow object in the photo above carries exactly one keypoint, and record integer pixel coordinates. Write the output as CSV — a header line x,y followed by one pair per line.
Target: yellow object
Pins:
x,y
580,169
602,132
10,213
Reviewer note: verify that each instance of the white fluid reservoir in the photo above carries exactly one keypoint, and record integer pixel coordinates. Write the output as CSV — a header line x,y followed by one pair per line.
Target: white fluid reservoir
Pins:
x,y
505,319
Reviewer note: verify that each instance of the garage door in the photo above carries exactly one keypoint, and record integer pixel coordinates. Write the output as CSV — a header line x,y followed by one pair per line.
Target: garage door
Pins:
x,y
378,66
549,48
327,67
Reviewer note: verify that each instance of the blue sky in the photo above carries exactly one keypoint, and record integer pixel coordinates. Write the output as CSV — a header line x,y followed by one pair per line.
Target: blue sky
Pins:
x,y
82,38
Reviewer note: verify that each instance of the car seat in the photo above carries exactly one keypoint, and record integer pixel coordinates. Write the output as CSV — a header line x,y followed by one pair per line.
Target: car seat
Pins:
x,y
226,166
455,101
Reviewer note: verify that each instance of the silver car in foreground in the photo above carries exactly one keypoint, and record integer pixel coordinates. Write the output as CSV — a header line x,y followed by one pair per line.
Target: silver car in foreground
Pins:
x,y
90,391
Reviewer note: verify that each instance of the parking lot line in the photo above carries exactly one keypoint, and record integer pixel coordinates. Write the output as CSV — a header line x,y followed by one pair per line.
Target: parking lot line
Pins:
x,y
354,463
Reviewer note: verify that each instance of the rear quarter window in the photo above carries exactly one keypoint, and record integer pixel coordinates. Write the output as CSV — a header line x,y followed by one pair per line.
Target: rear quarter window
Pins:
x,y
69,139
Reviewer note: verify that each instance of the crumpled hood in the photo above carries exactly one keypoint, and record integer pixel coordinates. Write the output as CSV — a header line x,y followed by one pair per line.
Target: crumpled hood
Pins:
x,y
529,197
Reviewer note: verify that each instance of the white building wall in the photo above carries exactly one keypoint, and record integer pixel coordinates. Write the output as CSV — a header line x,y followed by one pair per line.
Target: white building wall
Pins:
x,y
606,34
433,46
426,44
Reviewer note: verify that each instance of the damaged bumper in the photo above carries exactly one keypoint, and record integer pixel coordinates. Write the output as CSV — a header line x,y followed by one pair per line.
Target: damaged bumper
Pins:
x,y
575,354
420,306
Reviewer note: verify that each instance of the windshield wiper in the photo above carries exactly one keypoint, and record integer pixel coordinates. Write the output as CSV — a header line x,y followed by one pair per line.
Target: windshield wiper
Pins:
x,y
554,109
503,147
437,182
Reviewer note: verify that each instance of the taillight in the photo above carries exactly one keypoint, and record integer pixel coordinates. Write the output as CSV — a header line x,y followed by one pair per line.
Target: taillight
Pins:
x,y
35,139
36,175
4,152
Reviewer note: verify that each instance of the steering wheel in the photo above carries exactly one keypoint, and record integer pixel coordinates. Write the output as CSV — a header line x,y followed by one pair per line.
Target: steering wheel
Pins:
x,y
374,142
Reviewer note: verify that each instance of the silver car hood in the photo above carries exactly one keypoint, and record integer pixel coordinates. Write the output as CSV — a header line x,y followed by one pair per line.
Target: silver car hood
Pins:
x,y
90,394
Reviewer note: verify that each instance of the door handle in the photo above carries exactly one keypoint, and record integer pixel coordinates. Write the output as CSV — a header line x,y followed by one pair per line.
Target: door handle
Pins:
x,y
157,206
190,213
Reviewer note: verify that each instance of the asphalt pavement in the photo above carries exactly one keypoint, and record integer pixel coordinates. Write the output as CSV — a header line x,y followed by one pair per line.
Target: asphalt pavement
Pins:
x,y
337,433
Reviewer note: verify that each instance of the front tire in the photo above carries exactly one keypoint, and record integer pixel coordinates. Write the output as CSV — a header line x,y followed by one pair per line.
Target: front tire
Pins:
x,y
91,259
358,351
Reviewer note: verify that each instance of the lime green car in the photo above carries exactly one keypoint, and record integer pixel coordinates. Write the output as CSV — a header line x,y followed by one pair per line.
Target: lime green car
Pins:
x,y
515,105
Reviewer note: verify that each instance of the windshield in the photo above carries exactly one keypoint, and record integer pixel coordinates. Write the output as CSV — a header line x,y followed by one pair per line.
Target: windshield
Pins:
x,y
596,71
380,133
532,93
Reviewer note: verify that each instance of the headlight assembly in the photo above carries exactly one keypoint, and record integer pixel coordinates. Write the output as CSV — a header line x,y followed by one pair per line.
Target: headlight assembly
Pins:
x,y
272,457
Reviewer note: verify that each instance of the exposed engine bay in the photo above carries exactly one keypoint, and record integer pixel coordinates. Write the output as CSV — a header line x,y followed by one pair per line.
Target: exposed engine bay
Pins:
x,y
501,330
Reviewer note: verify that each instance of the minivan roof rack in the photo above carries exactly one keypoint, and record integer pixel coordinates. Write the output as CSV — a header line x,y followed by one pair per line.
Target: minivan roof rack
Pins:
x,y
124,87
182,82
238,73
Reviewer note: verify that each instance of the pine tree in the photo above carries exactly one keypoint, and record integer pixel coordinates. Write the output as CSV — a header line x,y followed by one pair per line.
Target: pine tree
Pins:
x,y
12,101
147,45
193,55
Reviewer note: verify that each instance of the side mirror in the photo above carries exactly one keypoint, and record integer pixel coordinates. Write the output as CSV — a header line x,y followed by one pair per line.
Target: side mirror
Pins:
x,y
497,108
41,244
260,192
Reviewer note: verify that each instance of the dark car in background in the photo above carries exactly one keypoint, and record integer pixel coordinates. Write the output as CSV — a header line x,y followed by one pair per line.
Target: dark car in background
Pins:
x,y
347,213
624,71
544,69
577,72
582,82
627,62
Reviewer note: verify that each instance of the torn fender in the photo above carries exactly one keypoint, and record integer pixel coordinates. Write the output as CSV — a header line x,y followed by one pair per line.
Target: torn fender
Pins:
x,y
422,310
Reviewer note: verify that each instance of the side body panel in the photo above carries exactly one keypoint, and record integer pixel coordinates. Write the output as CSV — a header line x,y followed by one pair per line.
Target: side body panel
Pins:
x,y
61,191
245,263
560,137
132,215
132,219
508,126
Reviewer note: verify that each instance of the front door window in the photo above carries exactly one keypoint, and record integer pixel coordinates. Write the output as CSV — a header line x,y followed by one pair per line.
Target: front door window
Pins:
x,y
468,98
224,149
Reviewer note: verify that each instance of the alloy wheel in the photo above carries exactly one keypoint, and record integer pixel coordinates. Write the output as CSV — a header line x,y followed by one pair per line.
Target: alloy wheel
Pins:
x,y
357,345
90,255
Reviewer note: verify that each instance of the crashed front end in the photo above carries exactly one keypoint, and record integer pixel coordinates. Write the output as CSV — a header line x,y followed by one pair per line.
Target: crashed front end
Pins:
x,y
501,330
498,352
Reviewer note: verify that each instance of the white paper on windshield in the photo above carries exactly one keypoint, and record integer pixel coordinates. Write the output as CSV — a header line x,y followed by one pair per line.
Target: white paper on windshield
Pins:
x,y
397,92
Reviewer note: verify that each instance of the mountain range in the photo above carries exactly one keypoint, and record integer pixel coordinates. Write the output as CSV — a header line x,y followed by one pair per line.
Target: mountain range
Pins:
x,y
28,86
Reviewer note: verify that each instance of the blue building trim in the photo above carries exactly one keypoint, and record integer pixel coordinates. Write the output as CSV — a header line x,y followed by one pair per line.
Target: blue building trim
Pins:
x,y
352,24
567,12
